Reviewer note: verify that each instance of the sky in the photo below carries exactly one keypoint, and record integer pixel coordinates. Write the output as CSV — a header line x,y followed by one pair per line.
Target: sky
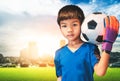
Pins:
x,y
22,21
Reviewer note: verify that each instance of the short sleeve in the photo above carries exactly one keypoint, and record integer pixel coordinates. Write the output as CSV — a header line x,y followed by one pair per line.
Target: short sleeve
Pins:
x,y
95,55
57,64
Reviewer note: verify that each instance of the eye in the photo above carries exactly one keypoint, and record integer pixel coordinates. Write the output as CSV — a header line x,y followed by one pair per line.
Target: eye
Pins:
x,y
75,24
63,26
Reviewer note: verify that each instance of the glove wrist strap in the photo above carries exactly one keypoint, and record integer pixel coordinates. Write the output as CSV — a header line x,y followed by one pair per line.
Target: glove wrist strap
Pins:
x,y
107,46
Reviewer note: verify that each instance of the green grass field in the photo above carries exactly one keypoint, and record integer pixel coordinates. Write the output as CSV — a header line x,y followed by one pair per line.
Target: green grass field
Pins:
x,y
113,74
47,74
27,74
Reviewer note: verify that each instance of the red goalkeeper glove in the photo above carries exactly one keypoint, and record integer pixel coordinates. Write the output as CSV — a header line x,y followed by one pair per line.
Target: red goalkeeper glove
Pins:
x,y
110,33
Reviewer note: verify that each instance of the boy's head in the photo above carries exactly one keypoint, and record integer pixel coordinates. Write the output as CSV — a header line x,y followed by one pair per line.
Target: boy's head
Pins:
x,y
70,12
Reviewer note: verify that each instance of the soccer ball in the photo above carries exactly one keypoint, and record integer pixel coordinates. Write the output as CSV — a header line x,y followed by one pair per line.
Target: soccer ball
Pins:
x,y
92,28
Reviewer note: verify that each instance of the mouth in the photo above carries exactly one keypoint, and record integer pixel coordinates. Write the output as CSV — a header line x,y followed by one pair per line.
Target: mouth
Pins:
x,y
70,35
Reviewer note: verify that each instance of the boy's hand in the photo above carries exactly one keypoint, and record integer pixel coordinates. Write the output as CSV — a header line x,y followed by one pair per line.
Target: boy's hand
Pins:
x,y
110,33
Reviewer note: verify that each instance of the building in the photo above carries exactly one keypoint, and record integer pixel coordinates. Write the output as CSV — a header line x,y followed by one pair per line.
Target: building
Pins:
x,y
33,50
62,43
29,55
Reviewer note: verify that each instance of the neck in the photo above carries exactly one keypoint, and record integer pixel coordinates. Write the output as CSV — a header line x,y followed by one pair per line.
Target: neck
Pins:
x,y
75,44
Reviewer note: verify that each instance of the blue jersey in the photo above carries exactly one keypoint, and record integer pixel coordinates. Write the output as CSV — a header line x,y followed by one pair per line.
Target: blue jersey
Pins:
x,y
78,65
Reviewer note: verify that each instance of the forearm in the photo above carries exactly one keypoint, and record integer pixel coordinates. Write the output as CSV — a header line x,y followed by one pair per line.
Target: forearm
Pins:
x,y
101,67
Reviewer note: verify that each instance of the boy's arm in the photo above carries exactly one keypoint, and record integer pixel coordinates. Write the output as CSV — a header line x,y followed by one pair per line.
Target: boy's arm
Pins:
x,y
101,67
109,37
57,66
59,78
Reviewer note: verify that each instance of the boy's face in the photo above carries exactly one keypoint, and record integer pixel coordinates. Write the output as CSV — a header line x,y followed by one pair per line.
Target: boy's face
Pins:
x,y
70,29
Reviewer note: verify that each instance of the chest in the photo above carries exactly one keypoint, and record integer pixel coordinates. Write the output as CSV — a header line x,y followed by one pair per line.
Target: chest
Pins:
x,y
78,59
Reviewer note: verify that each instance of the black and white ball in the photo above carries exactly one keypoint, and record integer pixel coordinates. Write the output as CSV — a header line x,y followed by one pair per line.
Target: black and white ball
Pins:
x,y
92,28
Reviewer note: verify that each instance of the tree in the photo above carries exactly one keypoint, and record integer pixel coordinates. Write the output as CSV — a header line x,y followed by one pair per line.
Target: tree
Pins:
x,y
1,58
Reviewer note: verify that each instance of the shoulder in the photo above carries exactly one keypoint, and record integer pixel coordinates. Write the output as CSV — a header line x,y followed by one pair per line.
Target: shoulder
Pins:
x,y
94,48
90,45
60,50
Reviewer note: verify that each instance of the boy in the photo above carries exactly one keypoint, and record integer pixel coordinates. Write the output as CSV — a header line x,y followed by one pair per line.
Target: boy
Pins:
x,y
78,60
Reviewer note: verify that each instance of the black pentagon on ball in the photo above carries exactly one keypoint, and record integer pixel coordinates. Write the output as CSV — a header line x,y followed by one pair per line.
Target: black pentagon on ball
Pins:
x,y
99,38
92,24
85,36
96,13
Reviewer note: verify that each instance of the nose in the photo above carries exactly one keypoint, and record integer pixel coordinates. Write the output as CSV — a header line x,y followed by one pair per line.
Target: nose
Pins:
x,y
69,29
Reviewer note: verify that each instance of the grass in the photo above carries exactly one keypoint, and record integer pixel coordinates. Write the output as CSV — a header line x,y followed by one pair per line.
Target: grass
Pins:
x,y
47,74
113,74
27,74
